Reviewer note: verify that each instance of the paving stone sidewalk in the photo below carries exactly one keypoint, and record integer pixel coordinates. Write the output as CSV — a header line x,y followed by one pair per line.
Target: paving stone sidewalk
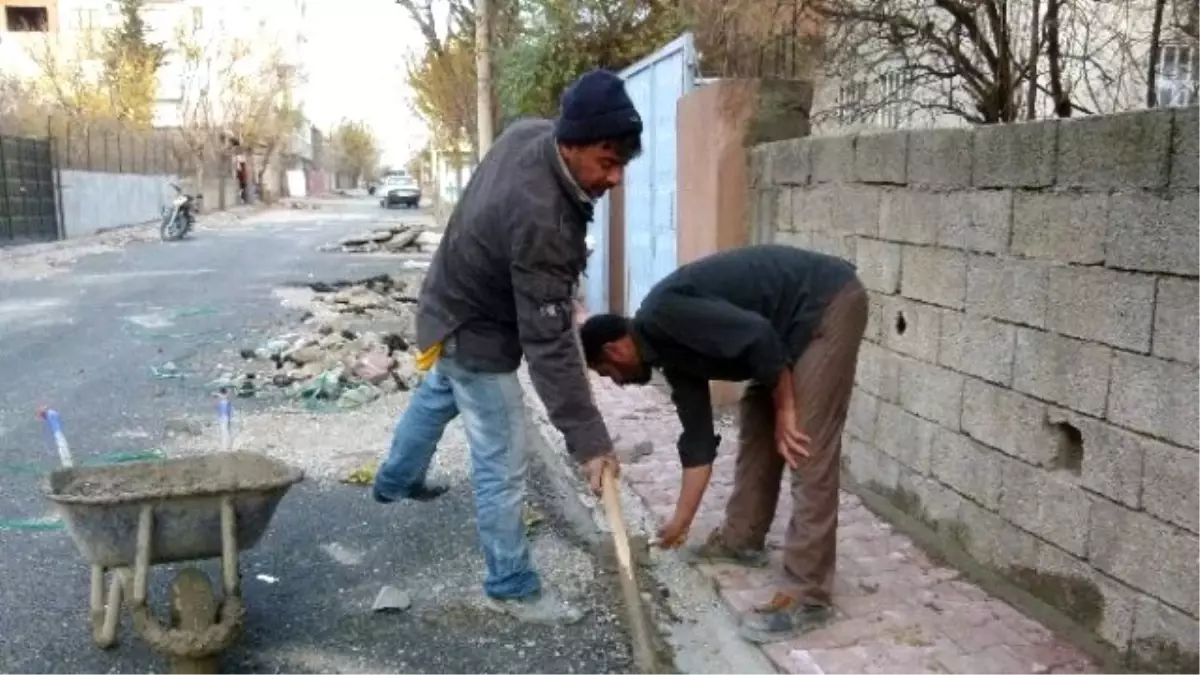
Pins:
x,y
897,611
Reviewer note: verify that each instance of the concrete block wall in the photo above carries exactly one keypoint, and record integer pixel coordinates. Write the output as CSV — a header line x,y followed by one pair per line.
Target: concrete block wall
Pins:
x,y
1028,384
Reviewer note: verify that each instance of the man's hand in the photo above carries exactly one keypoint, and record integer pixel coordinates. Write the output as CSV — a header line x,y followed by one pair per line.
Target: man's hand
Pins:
x,y
674,534
791,443
595,470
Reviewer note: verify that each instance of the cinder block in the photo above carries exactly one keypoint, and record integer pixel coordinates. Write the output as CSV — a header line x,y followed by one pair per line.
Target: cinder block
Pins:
x,y
1063,370
881,157
876,317
1112,152
1009,289
1165,640
1111,458
783,209
905,437
977,221
879,372
911,216
911,328
1065,227
1156,397
790,161
1015,155
940,505
1116,602
765,216
1009,421
832,159
1169,483
860,420
970,468
1176,335
934,275
940,157
796,239
812,209
1185,176
855,209
932,392
835,243
1045,504
1092,303
1150,234
1145,553
759,166
878,265
869,467
994,541
977,346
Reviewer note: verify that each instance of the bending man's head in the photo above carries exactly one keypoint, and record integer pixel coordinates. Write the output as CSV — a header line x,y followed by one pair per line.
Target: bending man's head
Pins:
x,y
598,131
610,350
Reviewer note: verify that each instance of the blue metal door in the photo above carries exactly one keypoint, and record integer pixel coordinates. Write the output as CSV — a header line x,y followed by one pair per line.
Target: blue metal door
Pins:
x,y
656,83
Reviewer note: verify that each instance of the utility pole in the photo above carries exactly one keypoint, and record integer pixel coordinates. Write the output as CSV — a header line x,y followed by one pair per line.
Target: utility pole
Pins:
x,y
483,75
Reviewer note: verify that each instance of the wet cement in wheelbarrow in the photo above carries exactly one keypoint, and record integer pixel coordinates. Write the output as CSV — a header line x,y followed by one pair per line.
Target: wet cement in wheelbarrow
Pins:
x,y
209,474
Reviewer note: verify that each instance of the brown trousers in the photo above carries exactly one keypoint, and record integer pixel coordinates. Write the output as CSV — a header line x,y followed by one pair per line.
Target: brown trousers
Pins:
x,y
824,380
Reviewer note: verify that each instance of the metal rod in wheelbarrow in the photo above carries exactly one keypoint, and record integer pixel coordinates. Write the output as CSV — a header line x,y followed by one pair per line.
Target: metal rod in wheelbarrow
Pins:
x,y
225,419
54,426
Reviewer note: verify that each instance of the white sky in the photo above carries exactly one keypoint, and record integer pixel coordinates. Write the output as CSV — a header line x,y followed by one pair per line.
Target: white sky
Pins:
x,y
355,62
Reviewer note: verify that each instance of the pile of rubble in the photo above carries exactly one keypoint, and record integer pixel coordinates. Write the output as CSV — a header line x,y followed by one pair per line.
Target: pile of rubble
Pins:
x,y
356,345
397,238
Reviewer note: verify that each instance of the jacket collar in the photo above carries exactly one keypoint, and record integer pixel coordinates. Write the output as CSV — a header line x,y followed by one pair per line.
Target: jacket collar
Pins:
x,y
575,194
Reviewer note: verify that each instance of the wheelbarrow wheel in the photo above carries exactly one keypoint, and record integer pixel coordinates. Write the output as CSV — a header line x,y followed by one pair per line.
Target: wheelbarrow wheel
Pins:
x,y
193,609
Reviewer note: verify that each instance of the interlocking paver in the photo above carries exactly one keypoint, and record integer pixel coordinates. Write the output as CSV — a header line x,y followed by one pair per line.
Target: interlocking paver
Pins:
x,y
896,610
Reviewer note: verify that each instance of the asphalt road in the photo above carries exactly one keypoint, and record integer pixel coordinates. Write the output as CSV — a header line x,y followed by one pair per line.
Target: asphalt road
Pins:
x,y
84,341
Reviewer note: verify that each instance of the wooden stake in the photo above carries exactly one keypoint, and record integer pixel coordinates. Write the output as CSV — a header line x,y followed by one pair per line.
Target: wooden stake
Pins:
x,y
639,629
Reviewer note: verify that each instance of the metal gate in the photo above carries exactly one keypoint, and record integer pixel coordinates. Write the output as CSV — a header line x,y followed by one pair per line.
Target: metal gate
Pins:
x,y
28,196
656,83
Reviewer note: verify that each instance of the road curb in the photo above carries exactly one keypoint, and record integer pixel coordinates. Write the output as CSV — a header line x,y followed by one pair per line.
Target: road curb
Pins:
x,y
700,630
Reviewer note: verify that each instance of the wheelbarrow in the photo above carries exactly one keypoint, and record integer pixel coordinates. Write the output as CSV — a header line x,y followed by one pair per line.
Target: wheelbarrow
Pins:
x,y
127,518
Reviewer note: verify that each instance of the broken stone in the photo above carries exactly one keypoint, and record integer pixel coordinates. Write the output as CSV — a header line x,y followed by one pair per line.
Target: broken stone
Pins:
x,y
331,341
248,354
403,241
282,380
373,367
406,370
391,599
379,236
360,395
366,301
306,355
400,228
324,328
355,240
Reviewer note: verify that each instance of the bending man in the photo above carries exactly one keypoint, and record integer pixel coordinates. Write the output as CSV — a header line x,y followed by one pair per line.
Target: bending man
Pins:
x,y
790,322
502,286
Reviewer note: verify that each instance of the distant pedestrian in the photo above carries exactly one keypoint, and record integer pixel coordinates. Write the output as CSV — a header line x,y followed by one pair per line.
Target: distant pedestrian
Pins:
x,y
789,322
501,286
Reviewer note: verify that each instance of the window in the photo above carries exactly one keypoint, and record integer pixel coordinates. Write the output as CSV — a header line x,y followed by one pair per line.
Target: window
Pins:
x,y
27,19
1177,70
893,99
850,97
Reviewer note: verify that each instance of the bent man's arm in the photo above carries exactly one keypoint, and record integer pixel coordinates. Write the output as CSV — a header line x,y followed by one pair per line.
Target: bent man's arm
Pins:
x,y
543,278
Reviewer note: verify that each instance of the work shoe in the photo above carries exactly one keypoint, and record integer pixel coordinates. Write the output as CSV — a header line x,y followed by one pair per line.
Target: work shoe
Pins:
x,y
715,550
424,493
545,607
782,618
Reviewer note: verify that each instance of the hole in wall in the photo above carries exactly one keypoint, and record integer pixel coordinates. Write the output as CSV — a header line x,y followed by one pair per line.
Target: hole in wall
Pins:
x,y
901,323
1070,448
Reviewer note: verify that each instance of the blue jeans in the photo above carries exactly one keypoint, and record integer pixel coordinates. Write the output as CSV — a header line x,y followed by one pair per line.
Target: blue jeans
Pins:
x,y
493,411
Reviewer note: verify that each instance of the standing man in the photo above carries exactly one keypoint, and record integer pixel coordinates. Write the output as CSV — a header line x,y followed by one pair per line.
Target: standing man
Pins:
x,y
790,321
502,286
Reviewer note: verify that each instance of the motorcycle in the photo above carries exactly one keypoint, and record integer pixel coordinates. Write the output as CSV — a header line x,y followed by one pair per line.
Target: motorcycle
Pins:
x,y
179,218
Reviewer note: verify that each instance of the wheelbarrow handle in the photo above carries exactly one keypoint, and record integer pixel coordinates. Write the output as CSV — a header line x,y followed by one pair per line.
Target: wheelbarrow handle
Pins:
x,y
54,425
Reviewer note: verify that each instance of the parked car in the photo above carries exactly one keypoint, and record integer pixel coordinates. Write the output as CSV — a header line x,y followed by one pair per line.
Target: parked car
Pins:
x,y
402,190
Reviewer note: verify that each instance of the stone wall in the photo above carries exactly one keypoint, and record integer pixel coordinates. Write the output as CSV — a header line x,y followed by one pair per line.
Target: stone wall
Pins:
x,y
1028,387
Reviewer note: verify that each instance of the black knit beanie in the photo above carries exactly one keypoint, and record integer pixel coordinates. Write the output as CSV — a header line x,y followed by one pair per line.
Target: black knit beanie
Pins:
x,y
596,108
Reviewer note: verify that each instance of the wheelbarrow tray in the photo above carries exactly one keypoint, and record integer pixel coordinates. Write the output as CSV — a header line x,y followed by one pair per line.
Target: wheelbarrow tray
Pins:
x,y
100,506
